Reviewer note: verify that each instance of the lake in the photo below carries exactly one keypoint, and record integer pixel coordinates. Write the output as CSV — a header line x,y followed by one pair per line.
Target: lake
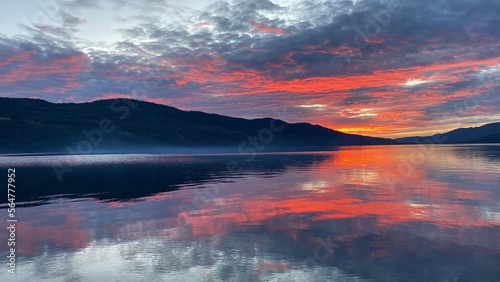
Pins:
x,y
374,213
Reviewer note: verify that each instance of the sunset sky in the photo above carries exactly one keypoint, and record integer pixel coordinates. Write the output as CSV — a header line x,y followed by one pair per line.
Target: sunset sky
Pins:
x,y
389,68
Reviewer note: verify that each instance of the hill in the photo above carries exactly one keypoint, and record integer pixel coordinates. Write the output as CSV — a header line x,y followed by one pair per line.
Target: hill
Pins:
x,y
488,133
122,125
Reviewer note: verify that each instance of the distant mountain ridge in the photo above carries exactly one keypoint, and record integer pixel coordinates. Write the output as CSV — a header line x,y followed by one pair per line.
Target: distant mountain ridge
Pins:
x,y
115,125
488,133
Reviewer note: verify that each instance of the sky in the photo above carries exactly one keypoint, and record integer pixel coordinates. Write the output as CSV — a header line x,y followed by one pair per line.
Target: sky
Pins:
x,y
388,68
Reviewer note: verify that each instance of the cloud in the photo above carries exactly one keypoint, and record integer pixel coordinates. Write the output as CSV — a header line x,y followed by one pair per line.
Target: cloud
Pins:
x,y
405,61
32,69
79,4
267,29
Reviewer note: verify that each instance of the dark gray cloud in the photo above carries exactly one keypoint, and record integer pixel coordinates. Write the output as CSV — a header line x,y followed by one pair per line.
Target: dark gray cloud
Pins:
x,y
380,34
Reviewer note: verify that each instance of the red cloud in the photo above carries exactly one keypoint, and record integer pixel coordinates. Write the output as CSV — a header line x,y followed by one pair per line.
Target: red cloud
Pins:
x,y
267,29
61,68
389,89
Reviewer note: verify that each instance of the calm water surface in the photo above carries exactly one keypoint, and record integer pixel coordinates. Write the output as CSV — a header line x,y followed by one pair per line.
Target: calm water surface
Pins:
x,y
393,213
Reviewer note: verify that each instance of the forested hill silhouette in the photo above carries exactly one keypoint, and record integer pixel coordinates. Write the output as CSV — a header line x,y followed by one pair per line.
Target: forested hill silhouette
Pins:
x,y
123,125
488,133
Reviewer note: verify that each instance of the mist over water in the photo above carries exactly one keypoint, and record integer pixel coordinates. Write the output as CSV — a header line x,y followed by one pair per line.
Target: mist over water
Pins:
x,y
374,213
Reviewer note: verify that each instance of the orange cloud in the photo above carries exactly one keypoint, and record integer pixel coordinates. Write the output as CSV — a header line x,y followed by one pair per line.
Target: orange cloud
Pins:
x,y
267,29
22,66
388,89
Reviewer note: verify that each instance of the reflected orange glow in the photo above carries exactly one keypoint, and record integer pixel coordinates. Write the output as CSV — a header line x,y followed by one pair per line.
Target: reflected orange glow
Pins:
x,y
371,172
368,189
69,233
269,266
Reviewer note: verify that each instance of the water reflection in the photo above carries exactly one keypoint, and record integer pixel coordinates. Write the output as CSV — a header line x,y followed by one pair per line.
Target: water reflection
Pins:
x,y
127,177
398,213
